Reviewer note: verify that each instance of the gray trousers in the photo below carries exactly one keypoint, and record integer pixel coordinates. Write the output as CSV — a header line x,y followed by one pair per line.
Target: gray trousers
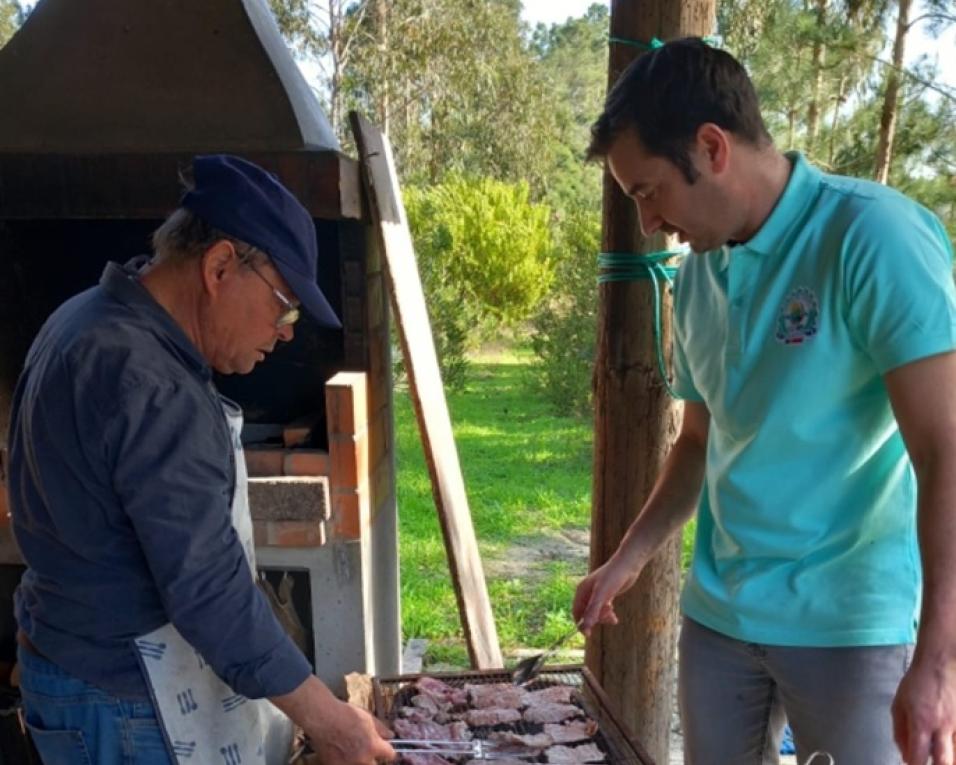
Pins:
x,y
736,697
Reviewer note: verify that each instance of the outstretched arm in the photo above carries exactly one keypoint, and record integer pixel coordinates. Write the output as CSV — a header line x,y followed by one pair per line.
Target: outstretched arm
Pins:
x,y
340,733
671,503
923,395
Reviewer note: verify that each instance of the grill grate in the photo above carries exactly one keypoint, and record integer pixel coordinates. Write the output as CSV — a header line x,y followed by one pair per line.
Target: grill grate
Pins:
x,y
613,737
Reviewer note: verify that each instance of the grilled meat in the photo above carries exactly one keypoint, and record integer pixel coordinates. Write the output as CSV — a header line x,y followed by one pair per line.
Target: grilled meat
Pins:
x,y
549,712
573,755
571,731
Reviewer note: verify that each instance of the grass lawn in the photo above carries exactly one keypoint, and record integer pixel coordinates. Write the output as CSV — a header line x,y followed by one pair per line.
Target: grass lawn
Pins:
x,y
528,478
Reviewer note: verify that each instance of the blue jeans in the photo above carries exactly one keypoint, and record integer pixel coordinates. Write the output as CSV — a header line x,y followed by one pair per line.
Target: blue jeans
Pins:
x,y
735,698
75,723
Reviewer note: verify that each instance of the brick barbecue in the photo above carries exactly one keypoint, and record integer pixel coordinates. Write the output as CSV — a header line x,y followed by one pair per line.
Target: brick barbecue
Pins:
x,y
91,146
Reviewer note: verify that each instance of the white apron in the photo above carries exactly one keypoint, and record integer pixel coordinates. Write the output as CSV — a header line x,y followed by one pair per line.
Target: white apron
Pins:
x,y
204,720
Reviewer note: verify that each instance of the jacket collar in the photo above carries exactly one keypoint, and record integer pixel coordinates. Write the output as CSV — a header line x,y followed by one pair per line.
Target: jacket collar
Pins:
x,y
122,283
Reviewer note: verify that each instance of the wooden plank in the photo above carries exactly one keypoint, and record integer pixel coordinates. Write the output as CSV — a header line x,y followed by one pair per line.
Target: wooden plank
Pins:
x,y
428,395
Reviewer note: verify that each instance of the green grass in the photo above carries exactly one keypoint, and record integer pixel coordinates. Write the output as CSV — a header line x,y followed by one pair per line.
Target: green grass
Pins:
x,y
528,478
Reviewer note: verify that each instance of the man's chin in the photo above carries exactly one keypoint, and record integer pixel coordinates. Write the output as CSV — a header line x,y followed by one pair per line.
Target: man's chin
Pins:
x,y
699,247
238,369
696,246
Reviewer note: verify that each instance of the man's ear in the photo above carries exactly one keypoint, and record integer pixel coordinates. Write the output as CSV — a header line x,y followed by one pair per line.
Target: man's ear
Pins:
x,y
218,263
714,147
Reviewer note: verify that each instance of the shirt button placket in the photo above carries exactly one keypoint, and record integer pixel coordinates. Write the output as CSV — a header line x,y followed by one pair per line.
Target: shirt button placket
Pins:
x,y
735,306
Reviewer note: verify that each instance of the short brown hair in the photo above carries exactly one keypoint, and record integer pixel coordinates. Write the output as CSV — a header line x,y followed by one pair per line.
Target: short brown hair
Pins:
x,y
668,93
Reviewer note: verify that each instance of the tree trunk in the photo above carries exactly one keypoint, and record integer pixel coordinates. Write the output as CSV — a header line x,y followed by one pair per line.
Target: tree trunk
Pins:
x,y
819,55
635,425
834,125
381,24
335,78
884,148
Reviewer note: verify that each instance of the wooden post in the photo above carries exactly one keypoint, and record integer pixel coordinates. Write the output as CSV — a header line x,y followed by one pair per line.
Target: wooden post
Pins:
x,y
428,395
635,425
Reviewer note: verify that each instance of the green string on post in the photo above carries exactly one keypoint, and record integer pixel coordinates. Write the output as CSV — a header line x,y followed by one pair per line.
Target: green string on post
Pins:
x,y
654,44
634,266
714,41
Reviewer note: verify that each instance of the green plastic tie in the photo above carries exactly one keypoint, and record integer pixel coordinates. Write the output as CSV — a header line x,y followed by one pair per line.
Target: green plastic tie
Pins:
x,y
634,266
714,41
654,44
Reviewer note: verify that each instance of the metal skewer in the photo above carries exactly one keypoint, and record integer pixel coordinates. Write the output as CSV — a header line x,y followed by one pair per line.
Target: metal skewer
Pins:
x,y
477,749
527,669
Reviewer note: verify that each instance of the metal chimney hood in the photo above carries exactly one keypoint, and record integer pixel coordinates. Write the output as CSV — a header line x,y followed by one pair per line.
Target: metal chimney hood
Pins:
x,y
154,76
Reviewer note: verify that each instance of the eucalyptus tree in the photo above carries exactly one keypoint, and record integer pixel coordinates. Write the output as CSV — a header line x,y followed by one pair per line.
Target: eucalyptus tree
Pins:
x,y
808,61
828,89
325,32
938,15
573,59
458,87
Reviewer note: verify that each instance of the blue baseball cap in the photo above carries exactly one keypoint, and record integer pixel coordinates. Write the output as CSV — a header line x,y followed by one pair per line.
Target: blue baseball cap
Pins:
x,y
244,201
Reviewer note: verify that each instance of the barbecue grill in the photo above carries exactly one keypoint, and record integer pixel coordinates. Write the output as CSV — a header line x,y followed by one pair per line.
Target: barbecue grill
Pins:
x,y
613,736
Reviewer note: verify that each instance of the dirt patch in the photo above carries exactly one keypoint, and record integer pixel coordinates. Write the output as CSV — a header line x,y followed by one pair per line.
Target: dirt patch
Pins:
x,y
528,556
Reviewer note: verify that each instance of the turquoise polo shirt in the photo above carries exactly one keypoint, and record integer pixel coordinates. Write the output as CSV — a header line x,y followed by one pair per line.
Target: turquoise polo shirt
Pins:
x,y
806,524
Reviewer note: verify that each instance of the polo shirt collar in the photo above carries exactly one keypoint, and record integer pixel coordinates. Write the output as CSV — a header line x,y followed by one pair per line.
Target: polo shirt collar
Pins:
x,y
798,196
122,283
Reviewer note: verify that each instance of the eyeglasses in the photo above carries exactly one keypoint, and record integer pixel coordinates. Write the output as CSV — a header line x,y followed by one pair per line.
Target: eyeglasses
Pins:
x,y
291,314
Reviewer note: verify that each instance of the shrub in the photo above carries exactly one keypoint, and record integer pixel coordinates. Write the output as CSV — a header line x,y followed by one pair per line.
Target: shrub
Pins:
x,y
485,253
565,327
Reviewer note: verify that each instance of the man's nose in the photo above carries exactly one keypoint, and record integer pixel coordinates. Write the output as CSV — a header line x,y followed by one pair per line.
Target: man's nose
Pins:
x,y
649,220
286,332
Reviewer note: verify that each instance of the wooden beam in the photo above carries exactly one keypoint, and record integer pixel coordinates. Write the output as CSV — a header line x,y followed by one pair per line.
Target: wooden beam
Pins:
x,y
635,425
428,395
146,186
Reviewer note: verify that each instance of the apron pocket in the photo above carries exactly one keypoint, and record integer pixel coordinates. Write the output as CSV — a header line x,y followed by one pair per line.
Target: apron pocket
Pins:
x,y
60,747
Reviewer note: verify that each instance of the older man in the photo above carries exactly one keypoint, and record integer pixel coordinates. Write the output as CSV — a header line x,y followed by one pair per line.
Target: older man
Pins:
x,y
143,638
815,325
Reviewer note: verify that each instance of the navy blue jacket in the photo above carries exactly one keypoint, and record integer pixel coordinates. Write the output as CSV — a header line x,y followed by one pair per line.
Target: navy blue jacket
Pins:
x,y
121,482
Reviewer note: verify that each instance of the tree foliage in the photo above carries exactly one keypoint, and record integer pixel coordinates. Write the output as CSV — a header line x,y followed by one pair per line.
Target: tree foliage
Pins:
x,y
11,17
326,33
456,85
848,84
574,59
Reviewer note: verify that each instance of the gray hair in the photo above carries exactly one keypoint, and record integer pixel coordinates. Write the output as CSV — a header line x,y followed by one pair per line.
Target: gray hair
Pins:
x,y
185,236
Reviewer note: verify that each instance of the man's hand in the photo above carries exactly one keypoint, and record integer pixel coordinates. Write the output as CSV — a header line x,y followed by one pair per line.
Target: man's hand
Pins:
x,y
924,713
670,504
594,598
341,734
351,737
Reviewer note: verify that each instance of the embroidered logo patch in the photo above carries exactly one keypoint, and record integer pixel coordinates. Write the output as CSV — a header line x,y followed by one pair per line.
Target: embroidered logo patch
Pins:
x,y
797,320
